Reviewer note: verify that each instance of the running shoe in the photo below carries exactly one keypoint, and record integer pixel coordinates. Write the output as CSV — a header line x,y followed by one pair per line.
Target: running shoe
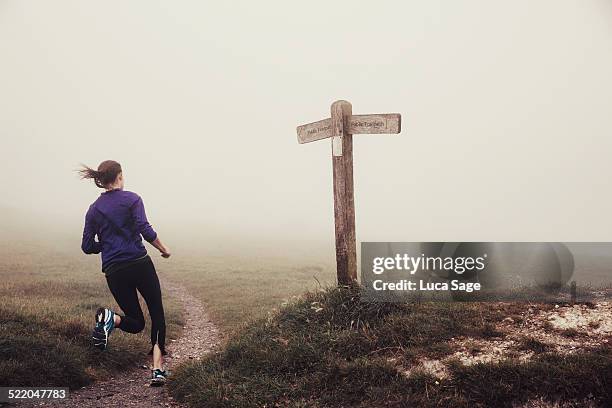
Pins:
x,y
105,324
158,377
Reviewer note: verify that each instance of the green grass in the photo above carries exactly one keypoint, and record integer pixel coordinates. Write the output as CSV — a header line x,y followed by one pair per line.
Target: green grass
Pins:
x,y
322,349
47,302
329,349
576,377
237,290
48,298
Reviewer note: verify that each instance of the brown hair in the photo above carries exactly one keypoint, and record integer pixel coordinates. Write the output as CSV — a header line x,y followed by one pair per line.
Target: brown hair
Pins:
x,y
106,174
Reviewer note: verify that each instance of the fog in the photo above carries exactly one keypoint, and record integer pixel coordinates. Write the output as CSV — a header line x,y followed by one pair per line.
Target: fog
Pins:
x,y
505,135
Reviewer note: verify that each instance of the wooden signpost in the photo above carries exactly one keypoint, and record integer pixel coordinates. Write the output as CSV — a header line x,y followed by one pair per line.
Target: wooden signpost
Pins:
x,y
340,128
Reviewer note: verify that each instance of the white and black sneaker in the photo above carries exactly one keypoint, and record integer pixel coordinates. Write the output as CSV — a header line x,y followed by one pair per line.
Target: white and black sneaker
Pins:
x,y
105,324
158,377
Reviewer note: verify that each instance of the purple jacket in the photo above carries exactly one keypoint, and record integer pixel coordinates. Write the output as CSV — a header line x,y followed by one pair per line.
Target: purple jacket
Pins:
x,y
118,218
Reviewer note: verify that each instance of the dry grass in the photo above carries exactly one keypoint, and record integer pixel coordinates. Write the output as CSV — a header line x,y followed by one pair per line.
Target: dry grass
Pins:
x,y
329,349
326,349
47,302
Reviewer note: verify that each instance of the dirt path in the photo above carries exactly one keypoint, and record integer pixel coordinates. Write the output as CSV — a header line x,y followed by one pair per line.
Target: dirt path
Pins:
x,y
131,389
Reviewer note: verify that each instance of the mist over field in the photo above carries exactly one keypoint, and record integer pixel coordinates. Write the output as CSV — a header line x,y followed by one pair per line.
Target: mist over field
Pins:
x,y
505,134
505,138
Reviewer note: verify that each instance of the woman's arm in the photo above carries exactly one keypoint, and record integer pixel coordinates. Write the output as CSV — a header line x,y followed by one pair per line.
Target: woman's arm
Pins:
x,y
165,252
142,224
145,229
89,245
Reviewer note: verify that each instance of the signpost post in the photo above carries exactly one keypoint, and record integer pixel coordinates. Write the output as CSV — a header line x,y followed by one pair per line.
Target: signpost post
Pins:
x,y
340,128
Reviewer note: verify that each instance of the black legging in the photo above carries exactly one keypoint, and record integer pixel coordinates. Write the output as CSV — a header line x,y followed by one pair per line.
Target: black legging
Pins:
x,y
123,285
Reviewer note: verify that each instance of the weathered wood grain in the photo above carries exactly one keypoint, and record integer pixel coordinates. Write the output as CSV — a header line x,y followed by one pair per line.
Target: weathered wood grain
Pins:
x,y
357,124
344,204
314,131
376,124
340,128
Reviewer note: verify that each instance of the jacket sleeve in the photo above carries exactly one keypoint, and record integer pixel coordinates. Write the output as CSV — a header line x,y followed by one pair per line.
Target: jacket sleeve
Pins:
x,y
89,245
142,224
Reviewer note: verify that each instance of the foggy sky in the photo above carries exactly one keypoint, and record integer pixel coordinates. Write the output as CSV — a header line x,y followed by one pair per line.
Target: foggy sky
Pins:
x,y
506,112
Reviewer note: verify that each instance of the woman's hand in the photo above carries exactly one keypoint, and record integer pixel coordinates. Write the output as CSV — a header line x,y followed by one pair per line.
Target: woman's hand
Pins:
x,y
165,252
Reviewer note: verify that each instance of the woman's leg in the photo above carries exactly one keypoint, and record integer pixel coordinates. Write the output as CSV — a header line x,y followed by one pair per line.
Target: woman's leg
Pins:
x,y
124,292
149,288
158,359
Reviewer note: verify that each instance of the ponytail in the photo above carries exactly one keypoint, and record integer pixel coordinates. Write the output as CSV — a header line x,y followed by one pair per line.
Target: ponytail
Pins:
x,y
105,175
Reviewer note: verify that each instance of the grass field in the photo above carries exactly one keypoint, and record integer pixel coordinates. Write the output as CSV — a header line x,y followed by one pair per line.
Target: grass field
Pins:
x,y
237,290
48,298
284,348
47,302
329,349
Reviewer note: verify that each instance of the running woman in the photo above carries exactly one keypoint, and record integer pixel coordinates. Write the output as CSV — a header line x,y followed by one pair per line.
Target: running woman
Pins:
x,y
118,220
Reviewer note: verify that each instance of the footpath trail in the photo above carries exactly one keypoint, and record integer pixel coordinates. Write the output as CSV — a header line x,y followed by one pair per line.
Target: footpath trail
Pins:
x,y
131,388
